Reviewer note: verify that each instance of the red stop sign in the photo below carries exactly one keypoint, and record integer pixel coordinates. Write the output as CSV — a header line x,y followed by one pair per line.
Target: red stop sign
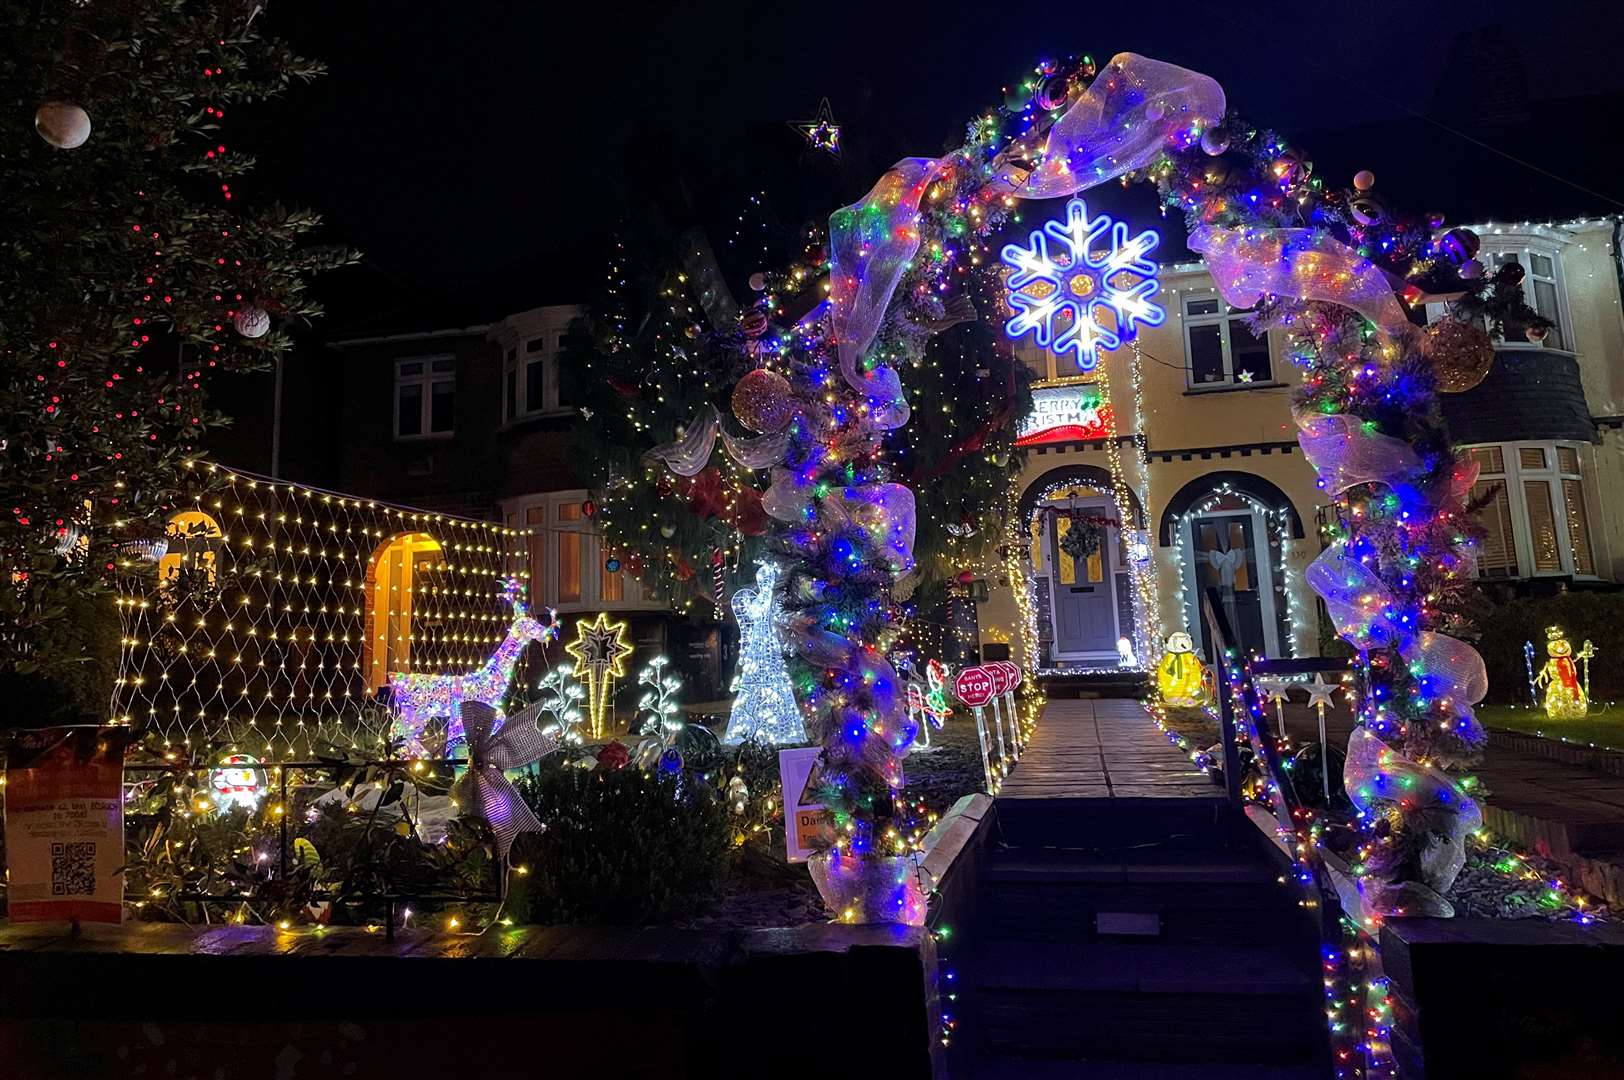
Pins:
x,y
1000,677
974,686
1012,670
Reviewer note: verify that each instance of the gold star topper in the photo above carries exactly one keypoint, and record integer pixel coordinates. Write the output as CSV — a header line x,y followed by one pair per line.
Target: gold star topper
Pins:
x,y
821,132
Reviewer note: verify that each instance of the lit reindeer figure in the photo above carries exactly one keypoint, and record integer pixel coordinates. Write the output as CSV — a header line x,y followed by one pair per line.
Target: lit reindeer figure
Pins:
x,y
419,699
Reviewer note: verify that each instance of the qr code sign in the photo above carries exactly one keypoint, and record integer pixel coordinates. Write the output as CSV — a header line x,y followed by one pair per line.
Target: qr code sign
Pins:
x,y
73,869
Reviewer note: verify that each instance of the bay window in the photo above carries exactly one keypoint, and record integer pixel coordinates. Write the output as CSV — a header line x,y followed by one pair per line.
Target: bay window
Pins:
x,y
1535,517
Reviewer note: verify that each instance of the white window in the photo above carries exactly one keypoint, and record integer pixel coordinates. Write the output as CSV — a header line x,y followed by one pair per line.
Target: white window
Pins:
x,y
1220,349
1536,520
530,376
1542,288
569,568
425,396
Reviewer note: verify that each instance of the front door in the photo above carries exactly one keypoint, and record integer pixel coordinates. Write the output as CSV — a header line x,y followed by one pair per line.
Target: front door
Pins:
x,y
1084,587
1227,559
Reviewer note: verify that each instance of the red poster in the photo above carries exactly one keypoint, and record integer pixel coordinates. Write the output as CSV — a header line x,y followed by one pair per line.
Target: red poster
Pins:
x,y
65,824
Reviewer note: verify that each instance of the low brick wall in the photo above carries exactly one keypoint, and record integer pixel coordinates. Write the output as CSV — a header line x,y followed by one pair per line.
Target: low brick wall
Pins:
x,y
1494,997
1610,762
250,1003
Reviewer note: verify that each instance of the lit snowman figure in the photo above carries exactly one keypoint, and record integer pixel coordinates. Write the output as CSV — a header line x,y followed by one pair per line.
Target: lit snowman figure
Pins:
x,y
239,781
1181,677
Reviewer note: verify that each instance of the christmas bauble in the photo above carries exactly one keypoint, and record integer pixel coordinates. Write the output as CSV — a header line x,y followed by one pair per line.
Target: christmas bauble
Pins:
x,y
252,321
612,564
1214,141
1055,92
1458,245
1365,210
753,324
1460,354
62,124
761,401
668,530
1470,270
758,281
966,577
1511,273
589,508
1364,180
1536,334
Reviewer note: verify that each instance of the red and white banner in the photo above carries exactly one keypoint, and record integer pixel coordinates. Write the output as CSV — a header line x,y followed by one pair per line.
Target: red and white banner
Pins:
x,y
65,824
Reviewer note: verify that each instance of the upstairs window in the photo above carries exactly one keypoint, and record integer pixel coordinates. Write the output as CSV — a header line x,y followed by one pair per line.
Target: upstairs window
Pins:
x,y
1542,288
530,376
425,396
1220,348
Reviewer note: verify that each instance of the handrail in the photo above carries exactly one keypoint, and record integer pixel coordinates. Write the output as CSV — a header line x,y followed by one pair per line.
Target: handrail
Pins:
x,y
1234,684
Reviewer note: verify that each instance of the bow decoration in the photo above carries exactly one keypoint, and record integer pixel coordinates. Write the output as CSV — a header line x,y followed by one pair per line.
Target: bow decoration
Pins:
x,y
493,747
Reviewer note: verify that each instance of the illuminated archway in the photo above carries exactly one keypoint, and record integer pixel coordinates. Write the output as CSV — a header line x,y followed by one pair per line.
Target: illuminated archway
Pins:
x,y
394,574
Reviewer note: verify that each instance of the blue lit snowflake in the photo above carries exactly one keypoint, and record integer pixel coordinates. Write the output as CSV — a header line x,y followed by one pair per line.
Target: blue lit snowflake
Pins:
x,y
1095,271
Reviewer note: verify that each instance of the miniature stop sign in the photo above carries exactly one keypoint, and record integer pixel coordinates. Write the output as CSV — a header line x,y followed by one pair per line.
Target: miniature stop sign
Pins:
x,y
1011,670
1000,678
974,686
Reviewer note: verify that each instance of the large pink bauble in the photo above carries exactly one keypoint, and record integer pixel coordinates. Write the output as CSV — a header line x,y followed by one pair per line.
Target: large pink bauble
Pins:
x,y
62,124
761,401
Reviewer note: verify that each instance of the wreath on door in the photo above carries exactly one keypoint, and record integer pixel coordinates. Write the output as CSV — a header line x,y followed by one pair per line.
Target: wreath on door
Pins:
x,y
1087,531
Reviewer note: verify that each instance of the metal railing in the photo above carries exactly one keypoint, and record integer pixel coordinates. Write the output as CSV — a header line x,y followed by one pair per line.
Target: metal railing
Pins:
x,y
392,769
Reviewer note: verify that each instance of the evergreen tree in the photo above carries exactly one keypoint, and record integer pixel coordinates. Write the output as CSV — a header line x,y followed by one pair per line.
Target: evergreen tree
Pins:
x,y
130,276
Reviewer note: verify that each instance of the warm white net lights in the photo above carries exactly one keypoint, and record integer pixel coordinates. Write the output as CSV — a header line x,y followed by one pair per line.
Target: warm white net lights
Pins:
x,y
286,613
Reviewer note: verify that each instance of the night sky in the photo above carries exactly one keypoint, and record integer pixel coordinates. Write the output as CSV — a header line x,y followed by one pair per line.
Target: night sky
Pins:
x,y
481,153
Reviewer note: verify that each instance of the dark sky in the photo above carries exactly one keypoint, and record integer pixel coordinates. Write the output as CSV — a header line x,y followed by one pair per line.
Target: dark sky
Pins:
x,y
480,153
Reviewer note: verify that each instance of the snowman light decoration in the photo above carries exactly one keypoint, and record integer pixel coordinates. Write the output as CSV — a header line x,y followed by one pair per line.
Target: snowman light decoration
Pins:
x,y
1181,677
238,782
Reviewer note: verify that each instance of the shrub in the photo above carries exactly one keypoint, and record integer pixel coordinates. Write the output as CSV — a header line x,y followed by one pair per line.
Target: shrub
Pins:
x,y
1593,615
622,847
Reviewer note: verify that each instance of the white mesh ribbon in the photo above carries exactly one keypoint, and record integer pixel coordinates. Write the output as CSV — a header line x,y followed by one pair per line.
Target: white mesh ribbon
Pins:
x,y
870,243
758,452
493,747
1306,264
1450,668
887,512
1355,598
687,456
788,498
1347,453
1133,110
1375,773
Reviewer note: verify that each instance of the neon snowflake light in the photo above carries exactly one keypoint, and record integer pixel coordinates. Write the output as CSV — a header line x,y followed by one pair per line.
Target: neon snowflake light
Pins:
x,y
1095,271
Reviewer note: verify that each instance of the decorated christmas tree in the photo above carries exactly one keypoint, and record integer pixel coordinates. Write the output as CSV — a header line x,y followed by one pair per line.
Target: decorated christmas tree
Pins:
x,y
132,277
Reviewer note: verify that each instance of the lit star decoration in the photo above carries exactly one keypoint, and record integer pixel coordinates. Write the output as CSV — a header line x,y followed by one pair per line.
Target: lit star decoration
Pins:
x,y
821,132
1059,297
600,652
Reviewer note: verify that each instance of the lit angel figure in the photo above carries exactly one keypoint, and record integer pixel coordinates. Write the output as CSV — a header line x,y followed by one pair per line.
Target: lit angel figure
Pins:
x,y
765,707
419,699
1097,271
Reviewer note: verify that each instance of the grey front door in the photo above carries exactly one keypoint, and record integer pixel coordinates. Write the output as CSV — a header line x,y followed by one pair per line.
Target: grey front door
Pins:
x,y
1084,590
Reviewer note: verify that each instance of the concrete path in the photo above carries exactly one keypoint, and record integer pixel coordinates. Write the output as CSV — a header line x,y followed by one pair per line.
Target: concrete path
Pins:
x,y
1102,748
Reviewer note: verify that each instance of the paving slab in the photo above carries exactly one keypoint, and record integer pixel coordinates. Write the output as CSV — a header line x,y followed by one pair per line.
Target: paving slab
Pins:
x,y
1101,748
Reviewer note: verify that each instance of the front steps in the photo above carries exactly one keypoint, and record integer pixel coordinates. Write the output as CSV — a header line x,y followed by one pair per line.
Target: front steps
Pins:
x,y
1158,943
1110,684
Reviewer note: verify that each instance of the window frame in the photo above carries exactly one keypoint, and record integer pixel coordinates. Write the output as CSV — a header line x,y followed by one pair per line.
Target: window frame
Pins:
x,y
1222,319
1522,248
427,379
1512,479
518,356
548,532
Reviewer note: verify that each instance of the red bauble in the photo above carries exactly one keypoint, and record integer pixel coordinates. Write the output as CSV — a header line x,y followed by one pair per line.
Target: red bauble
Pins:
x,y
966,576
589,508
614,757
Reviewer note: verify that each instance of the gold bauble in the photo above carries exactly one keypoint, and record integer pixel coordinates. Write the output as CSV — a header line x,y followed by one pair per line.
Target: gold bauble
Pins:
x,y
1460,354
761,401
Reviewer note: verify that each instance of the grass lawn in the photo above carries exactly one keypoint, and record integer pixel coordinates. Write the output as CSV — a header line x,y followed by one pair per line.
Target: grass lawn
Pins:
x,y
1604,727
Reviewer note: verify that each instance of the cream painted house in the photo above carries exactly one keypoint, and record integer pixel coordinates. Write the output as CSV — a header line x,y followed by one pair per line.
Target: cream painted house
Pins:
x,y
1220,496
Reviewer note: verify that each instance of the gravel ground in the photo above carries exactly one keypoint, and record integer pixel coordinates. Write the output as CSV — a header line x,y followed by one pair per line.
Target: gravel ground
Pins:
x,y
1498,884
947,769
